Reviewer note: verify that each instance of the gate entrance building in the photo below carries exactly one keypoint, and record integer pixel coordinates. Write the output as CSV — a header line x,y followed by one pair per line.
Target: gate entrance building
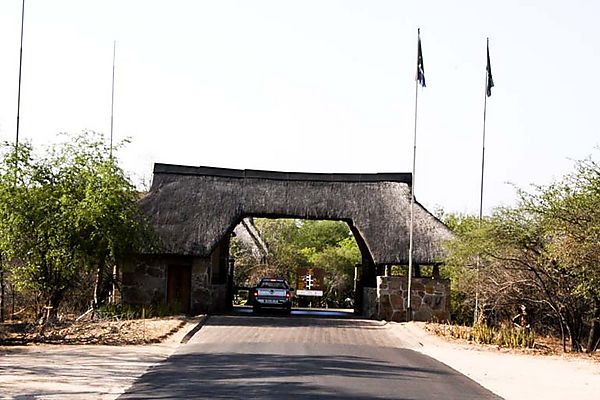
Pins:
x,y
194,210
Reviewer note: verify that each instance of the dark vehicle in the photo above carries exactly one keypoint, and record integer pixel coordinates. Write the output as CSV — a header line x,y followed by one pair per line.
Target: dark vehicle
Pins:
x,y
272,293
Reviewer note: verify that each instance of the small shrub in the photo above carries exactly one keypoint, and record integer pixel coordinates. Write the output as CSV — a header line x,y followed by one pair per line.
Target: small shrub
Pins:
x,y
460,332
505,336
513,337
484,334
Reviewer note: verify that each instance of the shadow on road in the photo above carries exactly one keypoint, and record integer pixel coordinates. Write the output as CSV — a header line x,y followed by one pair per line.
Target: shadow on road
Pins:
x,y
299,312
266,320
269,376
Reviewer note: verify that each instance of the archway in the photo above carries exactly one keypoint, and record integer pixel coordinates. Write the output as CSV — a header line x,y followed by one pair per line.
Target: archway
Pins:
x,y
194,209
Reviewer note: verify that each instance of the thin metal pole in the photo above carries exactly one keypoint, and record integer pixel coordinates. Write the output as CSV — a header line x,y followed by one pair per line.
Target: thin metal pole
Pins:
x,y
112,99
476,312
2,292
409,316
19,90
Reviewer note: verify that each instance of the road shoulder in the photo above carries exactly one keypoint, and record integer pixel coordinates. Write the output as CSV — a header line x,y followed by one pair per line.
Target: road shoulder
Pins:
x,y
510,375
81,371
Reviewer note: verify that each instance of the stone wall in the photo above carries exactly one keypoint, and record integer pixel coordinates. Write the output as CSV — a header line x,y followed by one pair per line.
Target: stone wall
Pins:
x,y
201,294
144,282
430,298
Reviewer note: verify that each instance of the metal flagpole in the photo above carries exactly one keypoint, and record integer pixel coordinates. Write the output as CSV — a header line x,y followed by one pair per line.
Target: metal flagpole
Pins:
x,y
20,68
112,99
477,262
487,92
412,213
2,293
418,80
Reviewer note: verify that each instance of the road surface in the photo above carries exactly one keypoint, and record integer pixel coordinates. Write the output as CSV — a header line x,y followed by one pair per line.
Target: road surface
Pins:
x,y
279,357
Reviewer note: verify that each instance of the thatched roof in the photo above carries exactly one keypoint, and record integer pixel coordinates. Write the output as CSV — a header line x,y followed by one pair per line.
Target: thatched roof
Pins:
x,y
193,208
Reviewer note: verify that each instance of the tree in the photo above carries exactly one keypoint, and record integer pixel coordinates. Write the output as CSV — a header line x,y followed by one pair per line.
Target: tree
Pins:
x,y
305,243
544,252
338,261
66,212
570,214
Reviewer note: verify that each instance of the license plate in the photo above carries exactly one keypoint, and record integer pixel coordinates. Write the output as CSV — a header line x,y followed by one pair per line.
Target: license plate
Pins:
x,y
270,301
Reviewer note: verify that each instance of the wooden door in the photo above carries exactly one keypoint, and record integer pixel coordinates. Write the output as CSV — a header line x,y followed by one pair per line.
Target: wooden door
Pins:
x,y
179,286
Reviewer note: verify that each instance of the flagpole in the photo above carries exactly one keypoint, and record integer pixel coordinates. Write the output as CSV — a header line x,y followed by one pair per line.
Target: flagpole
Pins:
x,y
409,315
2,293
485,96
412,213
112,99
19,89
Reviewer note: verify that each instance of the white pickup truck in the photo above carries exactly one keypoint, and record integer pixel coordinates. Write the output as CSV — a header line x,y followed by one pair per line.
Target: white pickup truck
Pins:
x,y
272,293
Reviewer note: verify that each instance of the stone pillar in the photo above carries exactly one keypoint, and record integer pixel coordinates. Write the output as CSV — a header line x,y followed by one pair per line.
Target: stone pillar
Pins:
x,y
201,294
430,298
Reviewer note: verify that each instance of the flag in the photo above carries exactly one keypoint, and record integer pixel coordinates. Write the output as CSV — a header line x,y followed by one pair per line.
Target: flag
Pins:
x,y
488,68
420,68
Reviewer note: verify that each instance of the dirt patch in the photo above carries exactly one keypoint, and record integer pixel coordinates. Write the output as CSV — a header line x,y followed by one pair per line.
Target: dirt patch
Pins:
x,y
116,333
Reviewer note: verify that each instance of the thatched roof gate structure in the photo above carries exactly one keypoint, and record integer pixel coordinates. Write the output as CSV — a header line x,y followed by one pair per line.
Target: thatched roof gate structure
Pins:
x,y
194,208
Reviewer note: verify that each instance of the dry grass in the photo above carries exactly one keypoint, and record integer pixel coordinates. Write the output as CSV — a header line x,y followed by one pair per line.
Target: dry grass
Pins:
x,y
543,345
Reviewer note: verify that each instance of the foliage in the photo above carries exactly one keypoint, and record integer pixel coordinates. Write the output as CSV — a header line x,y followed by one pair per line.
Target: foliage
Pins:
x,y
543,254
303,243
64,214
338,261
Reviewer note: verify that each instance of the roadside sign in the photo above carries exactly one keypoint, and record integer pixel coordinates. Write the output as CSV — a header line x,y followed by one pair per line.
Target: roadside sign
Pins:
x,y
317,293
309,282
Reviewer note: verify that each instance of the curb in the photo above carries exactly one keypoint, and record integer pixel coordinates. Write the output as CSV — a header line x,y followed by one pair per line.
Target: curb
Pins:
x,y
194,330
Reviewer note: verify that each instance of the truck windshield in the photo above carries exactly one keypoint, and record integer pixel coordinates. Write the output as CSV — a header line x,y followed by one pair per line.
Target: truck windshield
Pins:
x,y
272,285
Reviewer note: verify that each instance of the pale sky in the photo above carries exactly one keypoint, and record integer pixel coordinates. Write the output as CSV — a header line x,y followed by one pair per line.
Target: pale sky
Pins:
x,y
316,86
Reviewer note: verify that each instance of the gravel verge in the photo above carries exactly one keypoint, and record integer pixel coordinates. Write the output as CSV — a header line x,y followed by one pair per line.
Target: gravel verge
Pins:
x,y
512,375
48,371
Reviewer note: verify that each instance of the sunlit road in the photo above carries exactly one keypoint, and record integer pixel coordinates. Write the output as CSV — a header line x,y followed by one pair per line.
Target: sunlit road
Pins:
x,y
278,356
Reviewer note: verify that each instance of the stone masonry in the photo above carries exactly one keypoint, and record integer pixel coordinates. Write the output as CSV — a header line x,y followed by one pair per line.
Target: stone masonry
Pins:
x,y
430,298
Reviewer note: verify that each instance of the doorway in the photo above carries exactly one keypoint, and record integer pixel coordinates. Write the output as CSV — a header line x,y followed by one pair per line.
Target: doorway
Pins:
x,y
179,286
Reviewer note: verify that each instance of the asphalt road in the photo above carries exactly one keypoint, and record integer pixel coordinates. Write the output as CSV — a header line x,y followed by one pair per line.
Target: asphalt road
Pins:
x,y
302,357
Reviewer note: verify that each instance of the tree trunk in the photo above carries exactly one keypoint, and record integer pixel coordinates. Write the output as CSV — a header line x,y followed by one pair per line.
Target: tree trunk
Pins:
x,y
97,286
574,327
594,338
51,309
563,337
1,292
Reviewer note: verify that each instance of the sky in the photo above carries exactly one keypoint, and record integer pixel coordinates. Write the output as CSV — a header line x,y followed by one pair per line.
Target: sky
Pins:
x,y
316,86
